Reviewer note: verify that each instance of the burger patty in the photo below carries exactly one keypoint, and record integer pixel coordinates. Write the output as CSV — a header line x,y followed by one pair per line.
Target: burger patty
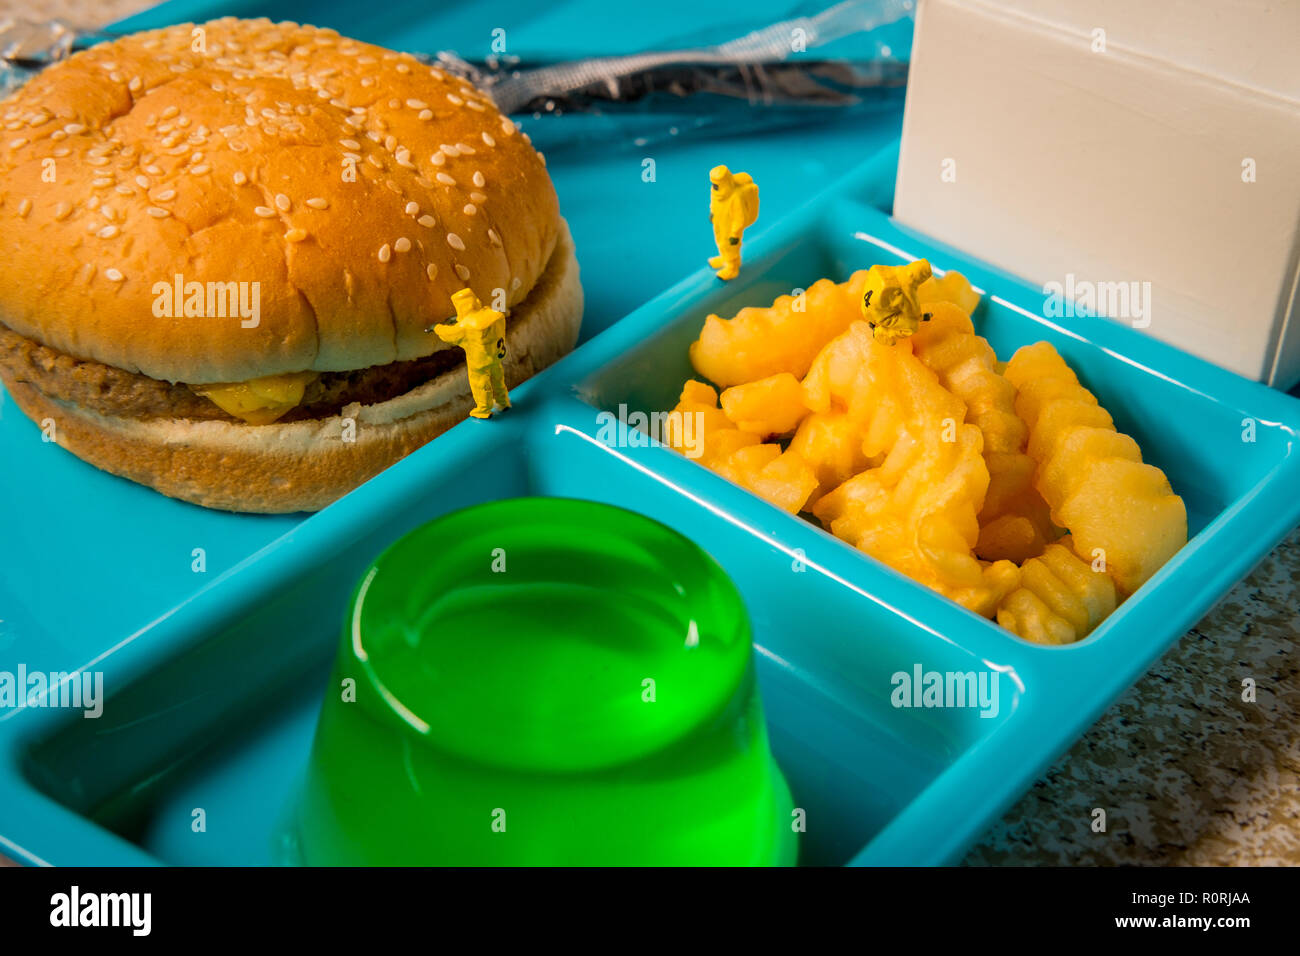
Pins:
x,y
117,393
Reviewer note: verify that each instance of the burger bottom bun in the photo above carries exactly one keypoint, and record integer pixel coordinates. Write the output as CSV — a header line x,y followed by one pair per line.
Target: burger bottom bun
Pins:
x,y
306,465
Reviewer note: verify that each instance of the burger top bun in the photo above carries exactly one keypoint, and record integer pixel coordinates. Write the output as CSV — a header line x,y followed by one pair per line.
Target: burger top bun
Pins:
x,y
357,187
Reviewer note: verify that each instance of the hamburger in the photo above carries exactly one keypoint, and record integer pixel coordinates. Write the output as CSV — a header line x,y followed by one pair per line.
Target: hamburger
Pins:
x,y
222,245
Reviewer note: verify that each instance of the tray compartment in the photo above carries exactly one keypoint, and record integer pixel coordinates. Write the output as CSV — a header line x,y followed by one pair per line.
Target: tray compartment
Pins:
x,y
226,723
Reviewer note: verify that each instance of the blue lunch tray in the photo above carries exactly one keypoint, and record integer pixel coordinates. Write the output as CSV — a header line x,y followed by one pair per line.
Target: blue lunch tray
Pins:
x,y
214,679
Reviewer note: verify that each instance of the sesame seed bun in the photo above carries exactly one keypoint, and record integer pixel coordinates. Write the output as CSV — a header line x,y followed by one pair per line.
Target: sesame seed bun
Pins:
x,y
306,465
346,189
229,166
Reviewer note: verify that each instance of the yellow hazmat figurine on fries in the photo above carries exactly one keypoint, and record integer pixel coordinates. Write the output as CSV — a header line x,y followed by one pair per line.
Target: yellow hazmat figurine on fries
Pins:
x,y
733,208
889,302
481,332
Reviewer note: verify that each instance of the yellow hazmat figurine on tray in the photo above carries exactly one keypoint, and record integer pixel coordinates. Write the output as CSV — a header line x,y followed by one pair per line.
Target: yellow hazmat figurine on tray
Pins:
x,y
481,332
733,208
889,301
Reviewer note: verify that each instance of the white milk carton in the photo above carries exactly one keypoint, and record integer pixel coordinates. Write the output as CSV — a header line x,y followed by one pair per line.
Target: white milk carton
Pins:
x,y
1141,156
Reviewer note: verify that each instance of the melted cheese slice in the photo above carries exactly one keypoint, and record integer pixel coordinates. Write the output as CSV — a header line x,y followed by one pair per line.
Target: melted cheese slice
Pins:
x,y
259,401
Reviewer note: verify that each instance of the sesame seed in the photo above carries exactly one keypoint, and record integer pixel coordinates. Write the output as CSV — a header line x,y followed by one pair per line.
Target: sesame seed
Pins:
x,y
455,100
135,84
438,159
487,138
465,150
72,129
404,158
390,142
24,208
349,143
240,178
108,232
445,179
282,202
448,150
165,195
97,161
477,197
515,283
427,221
266,212
113,275
470,209
295,235
402,245
416,104
492,234
475,105
478,179
425,115
196,158
431,271
157,213
17,143
317,203
385,253
462,272
142,182
101,183
412,208
170,111
202,170
153,170
455,242
375,161
124,191
61,211
394,104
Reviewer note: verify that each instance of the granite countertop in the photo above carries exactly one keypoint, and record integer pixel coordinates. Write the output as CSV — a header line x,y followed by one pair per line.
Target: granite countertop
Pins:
x,y
1187,772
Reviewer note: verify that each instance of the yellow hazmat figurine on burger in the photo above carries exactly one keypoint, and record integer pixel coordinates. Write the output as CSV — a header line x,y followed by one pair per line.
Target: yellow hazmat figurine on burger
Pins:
x,y
481,332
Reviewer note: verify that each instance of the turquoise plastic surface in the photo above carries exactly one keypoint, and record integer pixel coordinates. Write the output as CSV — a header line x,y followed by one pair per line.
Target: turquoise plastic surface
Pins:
x,y
214,678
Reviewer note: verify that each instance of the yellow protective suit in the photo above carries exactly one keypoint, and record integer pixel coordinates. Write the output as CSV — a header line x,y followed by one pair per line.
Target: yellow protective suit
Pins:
x,y
733,208
889,301
481,332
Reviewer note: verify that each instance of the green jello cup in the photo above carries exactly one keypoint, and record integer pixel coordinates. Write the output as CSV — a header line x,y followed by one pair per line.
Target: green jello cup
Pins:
x,y
544,681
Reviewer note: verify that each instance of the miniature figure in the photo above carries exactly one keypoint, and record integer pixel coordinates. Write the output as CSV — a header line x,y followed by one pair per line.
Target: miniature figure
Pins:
x,y
481,332
889,304
733,207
